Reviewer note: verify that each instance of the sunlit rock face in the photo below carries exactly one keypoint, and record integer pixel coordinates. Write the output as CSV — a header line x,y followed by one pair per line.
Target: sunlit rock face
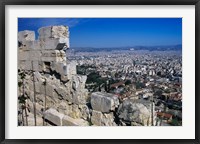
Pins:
x,y
54,37
60,92
104,102
135,113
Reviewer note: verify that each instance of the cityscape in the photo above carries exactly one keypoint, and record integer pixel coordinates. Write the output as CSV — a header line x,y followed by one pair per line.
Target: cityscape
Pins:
x,y
66,80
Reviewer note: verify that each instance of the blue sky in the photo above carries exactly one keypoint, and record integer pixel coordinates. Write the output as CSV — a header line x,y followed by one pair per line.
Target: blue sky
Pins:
x,y
113,32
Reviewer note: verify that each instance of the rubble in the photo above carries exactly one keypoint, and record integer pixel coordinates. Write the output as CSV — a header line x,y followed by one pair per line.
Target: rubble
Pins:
x,y
104,102
133,112
102,119
54,116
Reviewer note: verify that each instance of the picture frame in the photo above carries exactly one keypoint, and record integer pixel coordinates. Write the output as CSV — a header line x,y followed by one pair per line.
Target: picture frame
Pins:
x,y
98,2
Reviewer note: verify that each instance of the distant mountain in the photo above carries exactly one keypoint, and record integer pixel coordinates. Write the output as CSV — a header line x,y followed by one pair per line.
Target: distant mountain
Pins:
x,y
150,48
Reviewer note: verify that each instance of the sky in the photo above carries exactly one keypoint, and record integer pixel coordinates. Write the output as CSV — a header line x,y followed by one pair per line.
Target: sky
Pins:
x,y
113,32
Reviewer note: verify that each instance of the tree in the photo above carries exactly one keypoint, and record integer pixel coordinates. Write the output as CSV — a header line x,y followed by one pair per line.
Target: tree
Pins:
x,y
128,82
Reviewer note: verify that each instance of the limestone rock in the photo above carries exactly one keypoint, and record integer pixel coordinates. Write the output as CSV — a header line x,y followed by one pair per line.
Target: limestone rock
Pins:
x,y
54,37
76,113
78,82
100,119
64,93
104,102
68,121
79,97
134,112
85,113
26,35
96,118
54,116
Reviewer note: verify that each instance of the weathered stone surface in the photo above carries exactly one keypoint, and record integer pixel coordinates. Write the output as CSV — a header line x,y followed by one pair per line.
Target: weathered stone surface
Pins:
x,y
60,68
48,89
25,65
134,112
85,113
64,93
26,35
104,102
33,44
78,82
60,31
49,43
68,121
38,77
62,107
55,37
54,116
35,55
38,107
54,32
79,97
72,68
23,55
76,113
51,56
96,117
100,119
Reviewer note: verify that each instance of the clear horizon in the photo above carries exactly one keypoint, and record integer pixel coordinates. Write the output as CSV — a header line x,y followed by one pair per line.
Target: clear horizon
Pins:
x,y
113,32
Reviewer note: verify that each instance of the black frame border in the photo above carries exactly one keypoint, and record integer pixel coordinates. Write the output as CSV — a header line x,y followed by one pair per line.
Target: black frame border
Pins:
x,y
3,4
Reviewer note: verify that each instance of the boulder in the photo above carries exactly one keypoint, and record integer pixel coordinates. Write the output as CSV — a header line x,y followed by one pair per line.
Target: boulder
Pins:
x,y
134,113
104,102
54,116
102,119
68,121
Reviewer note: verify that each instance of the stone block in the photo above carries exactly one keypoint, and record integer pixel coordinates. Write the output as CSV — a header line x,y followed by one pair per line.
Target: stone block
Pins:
x,y
54,116
104,102
134,111
23,55
26,35
51,56
49,43
102,119
24,64
35,55
44,32
68,121
96,118
60,67
33,44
